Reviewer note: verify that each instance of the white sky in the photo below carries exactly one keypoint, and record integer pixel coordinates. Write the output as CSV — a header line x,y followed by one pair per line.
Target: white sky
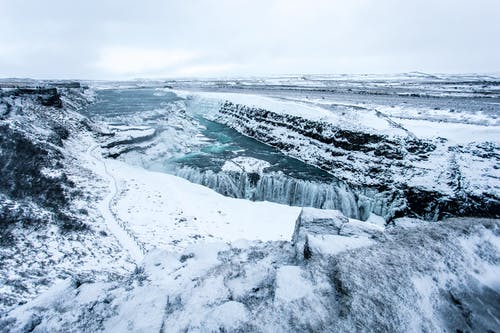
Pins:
x,y
120,39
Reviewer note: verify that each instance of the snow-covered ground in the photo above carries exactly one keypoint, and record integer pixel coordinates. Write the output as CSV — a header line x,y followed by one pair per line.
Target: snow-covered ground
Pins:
x,y
430,277
426,123
245,164
159,253
168,212
349,119
51,227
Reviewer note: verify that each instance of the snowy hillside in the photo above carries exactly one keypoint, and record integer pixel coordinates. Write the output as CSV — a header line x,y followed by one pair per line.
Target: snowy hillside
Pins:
x,y
416,277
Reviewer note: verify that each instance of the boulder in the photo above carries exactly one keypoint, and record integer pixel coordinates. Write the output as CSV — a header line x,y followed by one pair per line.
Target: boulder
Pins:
x,y
328,232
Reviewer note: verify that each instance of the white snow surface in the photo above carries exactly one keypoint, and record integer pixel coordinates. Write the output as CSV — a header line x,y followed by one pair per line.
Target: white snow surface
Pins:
x,y
381,119
291,285
259,287
333,244
169,212
207,267
245,164
367,120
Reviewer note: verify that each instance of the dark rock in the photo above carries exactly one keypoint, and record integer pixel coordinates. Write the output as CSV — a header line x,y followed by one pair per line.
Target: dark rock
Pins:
x,y
45,96
22,162
51,99
434,205
69,85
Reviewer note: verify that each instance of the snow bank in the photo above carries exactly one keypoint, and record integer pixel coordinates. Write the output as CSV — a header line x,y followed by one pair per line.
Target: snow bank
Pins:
x,y
166,211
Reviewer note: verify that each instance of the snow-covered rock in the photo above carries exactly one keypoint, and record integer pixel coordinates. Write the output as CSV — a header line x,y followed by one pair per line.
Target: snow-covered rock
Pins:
x,y
49,226
328,232
98,245
245,164
128,139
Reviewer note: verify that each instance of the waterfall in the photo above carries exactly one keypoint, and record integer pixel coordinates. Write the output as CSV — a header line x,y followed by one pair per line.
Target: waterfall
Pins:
x,y
279,188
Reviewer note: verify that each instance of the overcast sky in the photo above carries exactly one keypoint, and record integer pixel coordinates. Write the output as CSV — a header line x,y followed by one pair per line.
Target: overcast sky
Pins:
x,y
107,39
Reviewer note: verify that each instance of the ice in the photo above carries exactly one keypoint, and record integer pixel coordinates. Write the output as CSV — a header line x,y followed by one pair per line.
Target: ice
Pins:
x,y
245,164
276,187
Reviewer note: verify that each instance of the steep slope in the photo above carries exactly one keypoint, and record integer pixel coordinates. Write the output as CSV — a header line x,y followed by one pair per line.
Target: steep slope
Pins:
x,y
69,212
49,226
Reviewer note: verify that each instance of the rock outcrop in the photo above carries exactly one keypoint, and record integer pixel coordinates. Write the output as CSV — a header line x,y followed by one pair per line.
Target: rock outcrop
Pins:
x,y
327,232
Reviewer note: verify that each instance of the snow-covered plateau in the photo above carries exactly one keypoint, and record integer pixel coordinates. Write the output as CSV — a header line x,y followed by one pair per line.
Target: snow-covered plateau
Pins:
x,y
279,204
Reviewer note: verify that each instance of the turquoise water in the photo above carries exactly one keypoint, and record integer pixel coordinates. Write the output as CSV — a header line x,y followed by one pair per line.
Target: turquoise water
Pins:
x,y
117,105
229,143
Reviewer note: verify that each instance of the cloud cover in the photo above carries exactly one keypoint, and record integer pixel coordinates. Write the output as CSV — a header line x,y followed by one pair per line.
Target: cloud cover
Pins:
x,y
110,39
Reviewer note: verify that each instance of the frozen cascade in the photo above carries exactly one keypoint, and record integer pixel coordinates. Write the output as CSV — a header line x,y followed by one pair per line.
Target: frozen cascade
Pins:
x,y
277,187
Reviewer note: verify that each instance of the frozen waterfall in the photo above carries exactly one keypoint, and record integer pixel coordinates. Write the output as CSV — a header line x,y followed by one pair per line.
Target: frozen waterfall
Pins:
x,y
277,187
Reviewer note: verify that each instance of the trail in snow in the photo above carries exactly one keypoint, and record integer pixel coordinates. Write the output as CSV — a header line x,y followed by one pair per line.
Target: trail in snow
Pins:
x,y
126,238
394,123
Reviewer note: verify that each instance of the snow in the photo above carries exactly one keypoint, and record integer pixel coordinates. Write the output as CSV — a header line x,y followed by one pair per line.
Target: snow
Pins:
x,y
309,215
169,212
457,133
129,135
245,164
257,286
461,136
105,208
353,119
139,314
165,211
291,285
334,244
424,287
362,228
406,222
214,263
376,219
229,315
487,273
